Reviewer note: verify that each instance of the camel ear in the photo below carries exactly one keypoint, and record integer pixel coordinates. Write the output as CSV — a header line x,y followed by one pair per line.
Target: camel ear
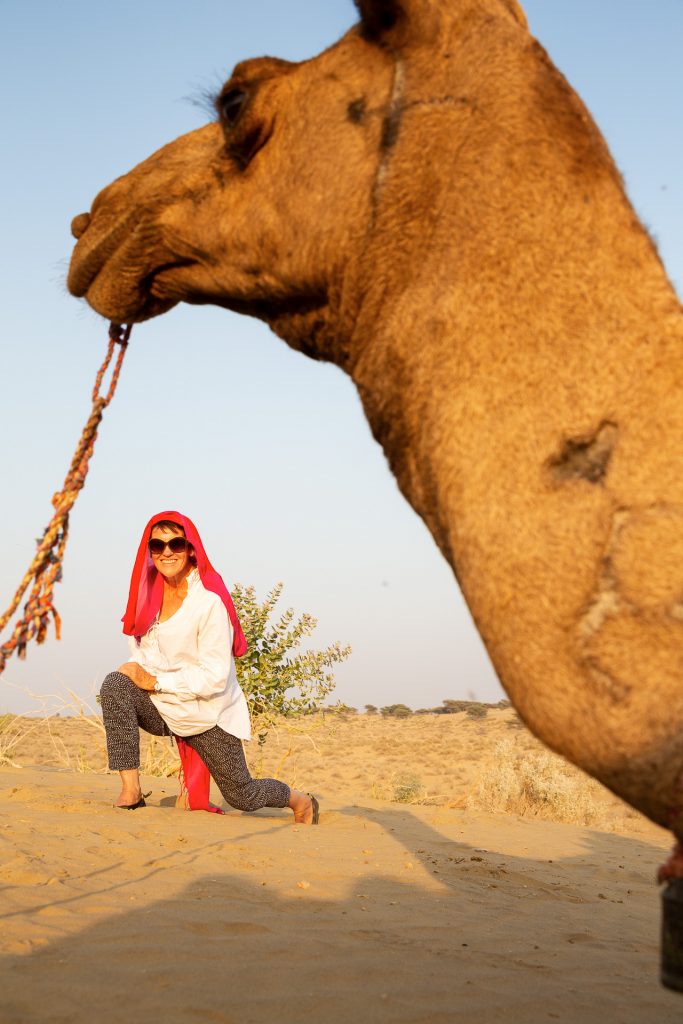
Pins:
x,y
517,12
379,16
418,20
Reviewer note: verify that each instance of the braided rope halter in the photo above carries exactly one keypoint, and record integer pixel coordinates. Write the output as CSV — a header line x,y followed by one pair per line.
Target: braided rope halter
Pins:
x,y
46,568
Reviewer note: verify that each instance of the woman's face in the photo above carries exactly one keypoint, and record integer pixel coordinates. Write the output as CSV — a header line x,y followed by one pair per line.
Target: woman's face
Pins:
x,y
171,564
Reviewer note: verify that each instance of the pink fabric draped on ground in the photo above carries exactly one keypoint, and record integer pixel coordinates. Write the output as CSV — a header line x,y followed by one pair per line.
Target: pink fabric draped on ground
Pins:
x,y
194,779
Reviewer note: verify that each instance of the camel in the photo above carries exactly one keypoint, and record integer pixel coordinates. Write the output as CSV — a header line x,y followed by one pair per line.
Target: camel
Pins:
x,y
429,205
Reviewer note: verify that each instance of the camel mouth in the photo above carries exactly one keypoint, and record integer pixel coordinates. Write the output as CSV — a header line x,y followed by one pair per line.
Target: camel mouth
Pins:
x,y
101,273
92,253
127,271
163,281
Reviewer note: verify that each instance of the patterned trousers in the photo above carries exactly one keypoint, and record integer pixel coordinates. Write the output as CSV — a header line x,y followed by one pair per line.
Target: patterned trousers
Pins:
x,y
126,709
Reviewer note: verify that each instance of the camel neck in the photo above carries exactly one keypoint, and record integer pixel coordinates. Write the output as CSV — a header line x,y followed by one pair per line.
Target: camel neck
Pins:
x,y
478,386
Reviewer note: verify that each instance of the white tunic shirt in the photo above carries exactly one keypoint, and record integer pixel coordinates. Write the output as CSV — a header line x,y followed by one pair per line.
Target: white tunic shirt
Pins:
x,y
190,655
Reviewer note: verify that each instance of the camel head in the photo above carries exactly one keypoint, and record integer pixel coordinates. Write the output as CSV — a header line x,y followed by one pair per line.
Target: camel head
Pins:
x,y
271,210
429,205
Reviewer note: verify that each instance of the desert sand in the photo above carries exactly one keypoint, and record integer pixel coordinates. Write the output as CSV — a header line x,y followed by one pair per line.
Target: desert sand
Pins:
x,y
415,900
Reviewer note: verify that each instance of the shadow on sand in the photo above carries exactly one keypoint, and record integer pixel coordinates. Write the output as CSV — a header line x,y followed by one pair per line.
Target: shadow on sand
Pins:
x,y
484,938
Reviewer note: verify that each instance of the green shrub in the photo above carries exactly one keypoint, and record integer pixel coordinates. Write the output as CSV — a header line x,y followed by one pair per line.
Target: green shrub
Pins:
x,y
477,711
277,678
344,710
396,711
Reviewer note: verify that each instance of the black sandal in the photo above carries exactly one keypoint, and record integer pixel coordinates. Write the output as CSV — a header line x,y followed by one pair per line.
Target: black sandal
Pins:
x,y
316,810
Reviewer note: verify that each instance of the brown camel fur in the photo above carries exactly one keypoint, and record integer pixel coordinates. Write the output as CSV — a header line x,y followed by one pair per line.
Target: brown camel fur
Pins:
x,y
429,205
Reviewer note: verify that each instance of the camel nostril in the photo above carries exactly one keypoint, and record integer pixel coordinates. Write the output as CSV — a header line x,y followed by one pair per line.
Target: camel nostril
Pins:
x,y
79,224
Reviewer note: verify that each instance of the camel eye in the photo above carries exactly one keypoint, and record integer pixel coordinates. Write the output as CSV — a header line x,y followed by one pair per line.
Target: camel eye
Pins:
x,y
230,106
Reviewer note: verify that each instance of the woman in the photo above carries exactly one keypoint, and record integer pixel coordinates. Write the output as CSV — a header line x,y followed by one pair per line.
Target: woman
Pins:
x,y
180,680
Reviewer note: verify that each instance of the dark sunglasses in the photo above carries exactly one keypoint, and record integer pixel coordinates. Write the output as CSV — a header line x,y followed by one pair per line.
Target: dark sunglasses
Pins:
x,y
175,545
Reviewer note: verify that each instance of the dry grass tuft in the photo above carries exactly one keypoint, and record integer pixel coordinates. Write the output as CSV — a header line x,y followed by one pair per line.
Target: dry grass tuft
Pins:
x,y
14,730
281,742
408,788
68,733
159,757
403,787
539,784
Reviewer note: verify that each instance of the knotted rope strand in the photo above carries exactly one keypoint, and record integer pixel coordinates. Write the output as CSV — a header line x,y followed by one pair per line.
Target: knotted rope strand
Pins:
x,y
46,567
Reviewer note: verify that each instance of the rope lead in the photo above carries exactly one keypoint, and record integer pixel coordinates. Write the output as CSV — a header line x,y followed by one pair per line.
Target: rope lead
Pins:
x,y
46,568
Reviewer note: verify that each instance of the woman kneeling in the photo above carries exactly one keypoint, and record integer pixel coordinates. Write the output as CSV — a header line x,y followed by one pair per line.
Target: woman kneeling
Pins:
x,y
180,680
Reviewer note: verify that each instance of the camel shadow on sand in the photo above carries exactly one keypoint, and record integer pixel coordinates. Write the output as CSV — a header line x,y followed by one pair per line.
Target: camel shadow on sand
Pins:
x,y
462,934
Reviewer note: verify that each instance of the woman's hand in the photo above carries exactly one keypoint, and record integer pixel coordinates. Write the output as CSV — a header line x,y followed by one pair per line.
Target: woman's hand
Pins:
x,y
136,673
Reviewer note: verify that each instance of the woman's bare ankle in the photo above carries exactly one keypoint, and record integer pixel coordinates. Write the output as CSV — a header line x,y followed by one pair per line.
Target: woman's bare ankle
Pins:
x,y
302,805
131,790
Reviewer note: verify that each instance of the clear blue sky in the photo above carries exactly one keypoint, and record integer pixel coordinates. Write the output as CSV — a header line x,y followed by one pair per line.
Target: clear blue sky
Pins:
x,y
266,450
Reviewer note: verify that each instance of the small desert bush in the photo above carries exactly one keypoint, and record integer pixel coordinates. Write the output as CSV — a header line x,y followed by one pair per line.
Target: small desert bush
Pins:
x,y
342,710
395,711
539,784
403,787
472,708
407,788
277,677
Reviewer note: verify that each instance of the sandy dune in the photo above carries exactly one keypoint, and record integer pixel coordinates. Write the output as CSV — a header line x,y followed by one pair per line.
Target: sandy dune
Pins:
x,y
386,912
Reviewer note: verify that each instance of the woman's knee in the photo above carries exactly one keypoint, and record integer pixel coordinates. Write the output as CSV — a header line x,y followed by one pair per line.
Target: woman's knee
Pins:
x,y
113,684
243,796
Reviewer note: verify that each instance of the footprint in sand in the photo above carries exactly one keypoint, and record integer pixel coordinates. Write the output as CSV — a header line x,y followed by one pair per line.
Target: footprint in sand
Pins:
x,y
579,937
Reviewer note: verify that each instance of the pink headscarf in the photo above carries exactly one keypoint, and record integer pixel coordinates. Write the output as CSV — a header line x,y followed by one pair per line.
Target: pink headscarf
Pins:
x,y
144,603
147,586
